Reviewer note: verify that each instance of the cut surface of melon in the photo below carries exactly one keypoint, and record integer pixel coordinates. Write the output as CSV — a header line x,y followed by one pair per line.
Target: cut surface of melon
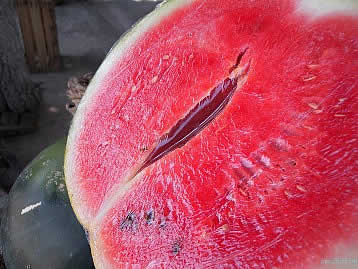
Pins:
x,y
268,180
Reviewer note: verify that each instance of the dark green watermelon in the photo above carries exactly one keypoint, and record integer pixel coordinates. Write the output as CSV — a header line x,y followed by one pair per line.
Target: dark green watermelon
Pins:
x,y
39,229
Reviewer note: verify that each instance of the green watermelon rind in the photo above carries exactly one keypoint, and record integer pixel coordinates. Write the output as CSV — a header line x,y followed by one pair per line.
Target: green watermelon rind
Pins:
x,y
39,228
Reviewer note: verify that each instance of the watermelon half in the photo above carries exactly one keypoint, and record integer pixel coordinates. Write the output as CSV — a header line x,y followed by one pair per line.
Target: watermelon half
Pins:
x,y
223,134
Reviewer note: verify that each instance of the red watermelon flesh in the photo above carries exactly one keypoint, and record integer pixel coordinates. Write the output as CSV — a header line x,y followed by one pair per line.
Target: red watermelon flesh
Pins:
x,y
223,134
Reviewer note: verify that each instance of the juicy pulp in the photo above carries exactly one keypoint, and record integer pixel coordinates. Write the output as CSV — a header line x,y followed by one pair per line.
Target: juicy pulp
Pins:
x,y
270,181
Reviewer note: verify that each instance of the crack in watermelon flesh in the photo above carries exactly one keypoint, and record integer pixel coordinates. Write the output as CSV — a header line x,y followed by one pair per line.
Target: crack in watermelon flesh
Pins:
x,y
198,118
271,181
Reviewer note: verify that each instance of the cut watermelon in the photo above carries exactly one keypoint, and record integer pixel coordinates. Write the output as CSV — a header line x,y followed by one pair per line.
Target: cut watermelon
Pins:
x,y
223,134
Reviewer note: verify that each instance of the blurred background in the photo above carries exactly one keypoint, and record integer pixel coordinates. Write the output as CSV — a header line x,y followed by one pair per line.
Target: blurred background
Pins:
x,y
43,44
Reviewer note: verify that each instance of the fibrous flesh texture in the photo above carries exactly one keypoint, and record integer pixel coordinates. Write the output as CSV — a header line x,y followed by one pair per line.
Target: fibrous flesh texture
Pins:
x,y
222,134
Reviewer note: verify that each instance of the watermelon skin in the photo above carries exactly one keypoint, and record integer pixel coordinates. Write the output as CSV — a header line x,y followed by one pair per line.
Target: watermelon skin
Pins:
x,y
271,182
39,229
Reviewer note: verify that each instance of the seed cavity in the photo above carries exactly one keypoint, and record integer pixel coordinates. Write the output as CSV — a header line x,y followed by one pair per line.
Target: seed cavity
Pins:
x,y
162,222
243,192
246,163
313,66
301,188
149,216
288,194
224,228
280,144
154,79
128,222
313,105
265,161
177,246
260,198
144,148
309,78
308,127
